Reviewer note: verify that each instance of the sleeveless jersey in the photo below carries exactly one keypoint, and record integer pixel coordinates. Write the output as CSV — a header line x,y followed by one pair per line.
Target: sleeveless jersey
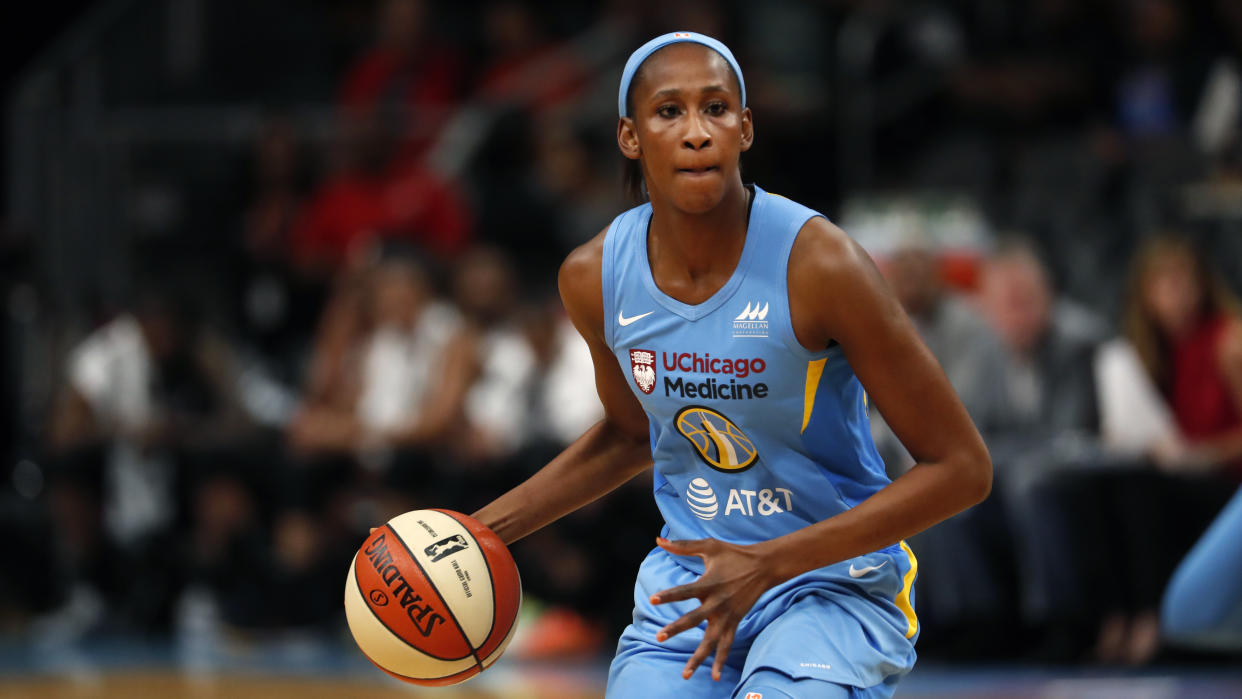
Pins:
x,y
753,436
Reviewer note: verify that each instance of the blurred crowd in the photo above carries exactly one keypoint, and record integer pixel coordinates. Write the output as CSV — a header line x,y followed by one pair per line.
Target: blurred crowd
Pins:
x,y
374,326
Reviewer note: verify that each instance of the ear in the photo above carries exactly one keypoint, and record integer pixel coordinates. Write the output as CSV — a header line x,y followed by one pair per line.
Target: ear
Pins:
x,y
748,130
627,138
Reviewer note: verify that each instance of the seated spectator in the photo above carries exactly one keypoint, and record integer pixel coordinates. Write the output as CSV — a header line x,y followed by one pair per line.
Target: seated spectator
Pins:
x,y
377,195
962,588
501,361
1052,439
1168,59
585,196
419,375
407,72
275,307
954,331
385,392
148,399
1170,393
522,67
1185,327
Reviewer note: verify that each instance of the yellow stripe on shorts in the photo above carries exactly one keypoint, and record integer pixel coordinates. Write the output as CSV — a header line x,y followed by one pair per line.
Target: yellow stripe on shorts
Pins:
x,y
903,599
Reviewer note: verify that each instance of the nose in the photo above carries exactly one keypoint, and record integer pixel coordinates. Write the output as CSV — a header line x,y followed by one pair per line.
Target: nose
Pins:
x,y
697,137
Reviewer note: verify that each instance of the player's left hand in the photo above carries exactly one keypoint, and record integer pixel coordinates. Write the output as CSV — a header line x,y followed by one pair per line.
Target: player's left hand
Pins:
x,y
734,576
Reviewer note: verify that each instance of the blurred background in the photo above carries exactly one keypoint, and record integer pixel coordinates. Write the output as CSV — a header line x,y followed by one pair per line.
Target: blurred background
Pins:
x,y
273,271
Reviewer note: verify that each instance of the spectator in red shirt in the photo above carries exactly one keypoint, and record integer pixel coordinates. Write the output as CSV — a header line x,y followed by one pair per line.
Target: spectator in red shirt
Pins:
x,y
378,194
405,70
522,66
1185,325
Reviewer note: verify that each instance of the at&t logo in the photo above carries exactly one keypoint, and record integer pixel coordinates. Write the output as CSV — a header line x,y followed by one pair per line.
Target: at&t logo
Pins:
x,y
763,502
702,499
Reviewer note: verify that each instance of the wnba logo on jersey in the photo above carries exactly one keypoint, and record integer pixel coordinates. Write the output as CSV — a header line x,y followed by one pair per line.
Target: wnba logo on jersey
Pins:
x,y
720,443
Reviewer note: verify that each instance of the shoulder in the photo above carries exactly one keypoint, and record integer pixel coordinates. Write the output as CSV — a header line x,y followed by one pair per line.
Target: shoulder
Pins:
x,y
581,269
119,337
826,264
824,257
581,285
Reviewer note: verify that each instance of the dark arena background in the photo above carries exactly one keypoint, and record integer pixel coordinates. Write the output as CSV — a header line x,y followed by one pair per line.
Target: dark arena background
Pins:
x,y
241,238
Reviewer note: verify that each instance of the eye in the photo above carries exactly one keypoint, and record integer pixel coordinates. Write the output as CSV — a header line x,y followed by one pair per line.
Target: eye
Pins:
x,y
717,108
668,111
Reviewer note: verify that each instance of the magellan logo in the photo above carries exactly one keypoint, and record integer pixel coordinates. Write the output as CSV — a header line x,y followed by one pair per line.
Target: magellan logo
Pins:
x,y
720,443
752,321
702,499
755,313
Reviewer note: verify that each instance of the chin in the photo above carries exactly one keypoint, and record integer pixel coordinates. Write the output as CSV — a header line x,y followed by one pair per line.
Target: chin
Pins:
x,y
699,197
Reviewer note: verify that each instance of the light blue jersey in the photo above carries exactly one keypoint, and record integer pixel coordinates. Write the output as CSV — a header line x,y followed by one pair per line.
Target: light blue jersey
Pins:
x,y
753,436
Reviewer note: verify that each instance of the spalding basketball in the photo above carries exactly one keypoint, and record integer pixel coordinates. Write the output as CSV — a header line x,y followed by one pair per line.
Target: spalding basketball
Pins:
x,y
432,597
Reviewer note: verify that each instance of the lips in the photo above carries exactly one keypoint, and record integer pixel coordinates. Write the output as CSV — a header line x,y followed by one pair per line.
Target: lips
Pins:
x,y
697,171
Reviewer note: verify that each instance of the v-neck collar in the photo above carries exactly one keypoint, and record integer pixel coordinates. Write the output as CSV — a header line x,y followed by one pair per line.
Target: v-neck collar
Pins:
x,y
695,311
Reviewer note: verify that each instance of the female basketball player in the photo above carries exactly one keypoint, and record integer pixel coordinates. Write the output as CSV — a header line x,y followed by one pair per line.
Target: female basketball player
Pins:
x,y
737,337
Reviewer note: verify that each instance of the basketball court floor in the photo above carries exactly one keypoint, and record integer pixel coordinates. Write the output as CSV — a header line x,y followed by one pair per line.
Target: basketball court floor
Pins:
x,y
307,668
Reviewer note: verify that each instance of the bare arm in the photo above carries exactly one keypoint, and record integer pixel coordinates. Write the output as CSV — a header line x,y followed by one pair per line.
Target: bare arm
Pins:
x,y
836,294
444,407
72,422
839,295
611,452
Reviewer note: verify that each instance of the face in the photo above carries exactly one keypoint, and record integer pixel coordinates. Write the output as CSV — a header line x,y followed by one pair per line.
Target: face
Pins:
x,y
485,286
400,23
1017,299
398,296
687,126
1171,293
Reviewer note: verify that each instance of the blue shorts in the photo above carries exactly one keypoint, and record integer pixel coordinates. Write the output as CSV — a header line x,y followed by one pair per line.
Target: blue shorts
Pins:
x,y
824,633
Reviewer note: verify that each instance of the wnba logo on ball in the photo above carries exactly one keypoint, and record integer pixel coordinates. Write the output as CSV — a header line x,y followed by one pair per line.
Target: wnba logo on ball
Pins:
x,y
379,598
720,443
702,499
446,547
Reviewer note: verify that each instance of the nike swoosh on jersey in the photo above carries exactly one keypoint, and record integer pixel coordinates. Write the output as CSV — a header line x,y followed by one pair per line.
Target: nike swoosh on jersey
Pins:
x,y
626,321
859,572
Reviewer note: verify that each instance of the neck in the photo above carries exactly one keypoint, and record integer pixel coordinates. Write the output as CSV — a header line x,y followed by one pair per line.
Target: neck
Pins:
x,y
699,244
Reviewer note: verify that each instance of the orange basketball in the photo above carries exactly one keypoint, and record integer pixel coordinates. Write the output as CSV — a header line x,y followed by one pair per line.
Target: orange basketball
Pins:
x,y
432,597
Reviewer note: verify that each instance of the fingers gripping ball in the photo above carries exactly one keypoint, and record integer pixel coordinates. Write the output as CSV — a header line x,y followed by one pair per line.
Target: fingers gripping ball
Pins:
x,y
432,597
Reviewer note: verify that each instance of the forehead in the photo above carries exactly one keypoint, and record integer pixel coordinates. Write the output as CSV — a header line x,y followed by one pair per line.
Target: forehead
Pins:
x,y
1173,261
684,66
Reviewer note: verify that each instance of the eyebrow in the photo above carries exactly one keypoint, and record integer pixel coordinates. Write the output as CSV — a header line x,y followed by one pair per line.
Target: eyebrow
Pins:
x,y
676,92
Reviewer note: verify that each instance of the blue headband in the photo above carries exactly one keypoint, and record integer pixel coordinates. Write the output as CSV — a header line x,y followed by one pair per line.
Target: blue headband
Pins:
x,y
645,51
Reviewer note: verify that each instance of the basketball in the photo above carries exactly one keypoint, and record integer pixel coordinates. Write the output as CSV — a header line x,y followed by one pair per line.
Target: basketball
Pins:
x,y
432,597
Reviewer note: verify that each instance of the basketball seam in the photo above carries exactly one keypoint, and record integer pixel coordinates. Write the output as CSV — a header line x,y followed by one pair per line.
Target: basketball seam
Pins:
x,y
412,678
447,609
491,580
394,632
